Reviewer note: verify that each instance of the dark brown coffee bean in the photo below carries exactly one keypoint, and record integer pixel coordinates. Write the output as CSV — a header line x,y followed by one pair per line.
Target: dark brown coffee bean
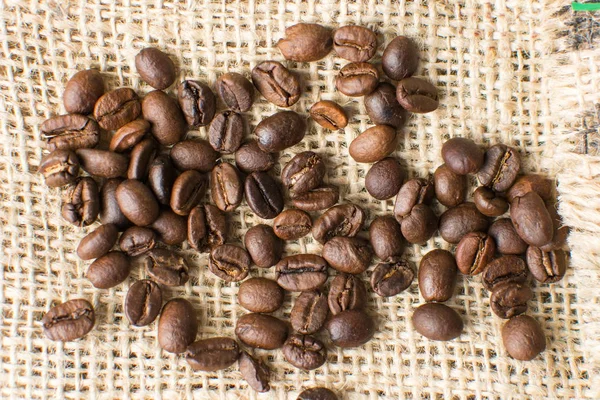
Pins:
x,y
170,227
317,199
561,231
264,246
155,68
82,91
301,272
329,115
198,103
143,302
60,168
302,173
166,267
450,188
546,266
70,132
212,354
188,190
116,108
384,179
523,338
357,79
373,144
261,331
280,131
351,328
510,299
69,321
226,187
437,321
386,237
474,251
341,220
109,270
400,58
81,203
142,156
137,240
292,224
349,255
391,277
420,225
255,372
317,393
260,295
304,352
415,191
98,242
194,154
504,269
236,91
226,132
347,292
506,238
129,135
276,83
531,219
206,227
417,96
309,312
177,326
168,124
263,195
437,275
305,42
462,156
110,213
489,203
543,186
102,163
161,177
250,158
355,43
500,168
456,222
229,262
383,108
137,202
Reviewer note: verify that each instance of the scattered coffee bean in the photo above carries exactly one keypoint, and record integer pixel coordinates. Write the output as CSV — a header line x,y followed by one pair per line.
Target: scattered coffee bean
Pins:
x,y
255,372
263,195
386,237
109,210
143,302
226,132
82,91
236,91
305,42
292,224
559,239
355,43
177,326
489,203
415,191
81,203
129,135
212,354
383,108
194,154
264,246
437,275
250,158
329,115
70,132
98,242
280,131
317,393
531,219
504,269
102,163
226,187
347,292
543,186
456,222
351,328
309,312
417,96
137,202
261,331
357,79
510,299
301,272
506,237
302,173
60,168
171,228
546,266
155,68
109,270
137,240
304,352
437,321
474,251
229,262
500,168
188,190
69,321
420,225
348,254
161,176
400,58
276,83
168,122
462,156
449,187
523,338
206,227
391,277
116,108
141,157
260,295
317,199
166,267
341,220
198,103
384,179
373,144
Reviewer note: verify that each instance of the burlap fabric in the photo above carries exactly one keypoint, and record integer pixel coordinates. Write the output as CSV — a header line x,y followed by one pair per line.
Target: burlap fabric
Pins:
x,y
520,72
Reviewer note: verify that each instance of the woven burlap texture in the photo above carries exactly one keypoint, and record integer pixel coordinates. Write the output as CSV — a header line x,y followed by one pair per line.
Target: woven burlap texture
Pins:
x,y
503,75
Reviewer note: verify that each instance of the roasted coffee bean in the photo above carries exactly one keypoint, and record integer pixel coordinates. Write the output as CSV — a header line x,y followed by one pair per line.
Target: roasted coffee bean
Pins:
x,y
236,91
510,299
504,269
531,219
309,312
155,68
70,132
161,177
456,222
449,187
170,227
317,199
386,237
437,275
226,132
109,270
383,108
301,272
264,246
391,277
500,168
142,156
250,158
489,203
349,255
69,321
506,237
559,239
302,173
260,295
137,240
177,326
543,186
305,42
168,122
60,168
98,242
400,58
116,108
129,135
546,266
188,190
280,131
81,203
420,225
341,220
523,338
196,154
255,372
276,83
261,331
82,91
292,224
263,195
417,96
212,354
166,267
329,115
229,262
373,144
206,227
355,43
317,393
226,187
137,202
198,103
462,156
474,251
347,292
143,302
437,321
384,179
413,192
351,328
357,79
110,213
304,352
102,163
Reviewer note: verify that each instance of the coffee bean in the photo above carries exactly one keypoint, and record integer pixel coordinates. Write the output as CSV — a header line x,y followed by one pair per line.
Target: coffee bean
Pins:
x,y
347,292
206,227
417,96
81,203
317,393
420,225
229,262
198,103
177,326
304,352
155,68
386,237
474,251
391,277
69,321
142,156
98,242
137,240
70,132
226,187
143,302
559,239
250,158
261,331
523,338
357,79
351,328
168,124
263,195
161,177
170,227
236,91
383,108
102,163
546,266
355,43
302,173
116,108
384,179
264,247
82,91
449,187
531,219
60,168
305,42
456,222
260,295
226,132
543,186
500,168
129,135
400,58
317,199
212,354
188,190
137,202
329,115
280,131
166,267
415,191
194,154
276,83
110,213
292,224
437,321
510,299
341,220
309,312
255,372
437,275
462,156
109,270
506,238
349,255
489,203
504,269
301,272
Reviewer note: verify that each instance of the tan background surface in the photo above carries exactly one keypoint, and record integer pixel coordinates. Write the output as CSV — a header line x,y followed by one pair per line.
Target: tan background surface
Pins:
x,y
519,72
